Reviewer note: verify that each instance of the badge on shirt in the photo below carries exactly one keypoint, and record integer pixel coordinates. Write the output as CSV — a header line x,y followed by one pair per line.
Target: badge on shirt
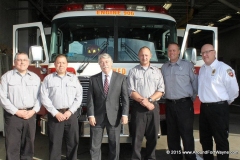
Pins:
x,y
230,72
194,70
213,72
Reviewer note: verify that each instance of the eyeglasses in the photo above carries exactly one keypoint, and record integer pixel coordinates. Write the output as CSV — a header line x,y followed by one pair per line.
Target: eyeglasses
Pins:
x,y
206,52
22,60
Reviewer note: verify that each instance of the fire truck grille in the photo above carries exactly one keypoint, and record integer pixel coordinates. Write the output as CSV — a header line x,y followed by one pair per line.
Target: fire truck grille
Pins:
x,y
85,85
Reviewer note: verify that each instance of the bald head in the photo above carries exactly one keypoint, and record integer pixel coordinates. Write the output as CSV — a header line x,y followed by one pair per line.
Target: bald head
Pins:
x,y
208,46
208,54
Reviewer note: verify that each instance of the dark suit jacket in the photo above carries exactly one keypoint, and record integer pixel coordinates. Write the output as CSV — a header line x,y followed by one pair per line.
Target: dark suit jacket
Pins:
x,y
98,104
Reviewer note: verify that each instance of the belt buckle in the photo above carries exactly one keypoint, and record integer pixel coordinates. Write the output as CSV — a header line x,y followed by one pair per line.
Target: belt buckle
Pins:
x,y
207,104
174,101
220,102
63,110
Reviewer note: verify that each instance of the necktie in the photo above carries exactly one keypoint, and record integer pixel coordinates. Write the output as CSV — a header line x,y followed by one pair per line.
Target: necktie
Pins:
x,y
106,85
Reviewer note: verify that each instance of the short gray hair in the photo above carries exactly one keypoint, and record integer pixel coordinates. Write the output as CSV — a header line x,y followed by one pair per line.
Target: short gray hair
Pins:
x,y
15,58
105,56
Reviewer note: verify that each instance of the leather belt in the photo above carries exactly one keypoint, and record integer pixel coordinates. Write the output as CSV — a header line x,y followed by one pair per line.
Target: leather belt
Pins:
x,y
214,103
63,110
155,102
179,100
26,108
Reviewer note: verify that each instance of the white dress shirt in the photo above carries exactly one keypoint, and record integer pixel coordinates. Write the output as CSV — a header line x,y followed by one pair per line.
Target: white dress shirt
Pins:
x,y
109,77
217,82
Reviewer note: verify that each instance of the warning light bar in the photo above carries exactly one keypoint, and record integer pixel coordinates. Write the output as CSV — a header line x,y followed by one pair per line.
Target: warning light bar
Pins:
x,y
119,7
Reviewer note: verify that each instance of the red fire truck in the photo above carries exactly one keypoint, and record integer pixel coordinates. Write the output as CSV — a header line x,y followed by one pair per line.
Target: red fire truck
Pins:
x,y
83,31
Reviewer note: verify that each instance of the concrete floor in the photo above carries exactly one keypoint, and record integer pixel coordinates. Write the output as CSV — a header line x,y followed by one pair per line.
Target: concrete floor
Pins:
x,y
41,143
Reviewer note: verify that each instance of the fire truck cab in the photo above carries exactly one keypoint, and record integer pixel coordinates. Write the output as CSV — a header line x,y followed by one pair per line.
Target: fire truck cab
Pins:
x,y
83,31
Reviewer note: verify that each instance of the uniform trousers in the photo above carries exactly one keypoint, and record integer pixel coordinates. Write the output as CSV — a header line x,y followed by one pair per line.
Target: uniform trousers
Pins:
x,y
96,134
144,123
180,117
20,135
214,122
67,129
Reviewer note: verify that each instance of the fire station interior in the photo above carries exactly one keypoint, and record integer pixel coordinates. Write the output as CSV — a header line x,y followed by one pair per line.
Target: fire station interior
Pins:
x,y
223,14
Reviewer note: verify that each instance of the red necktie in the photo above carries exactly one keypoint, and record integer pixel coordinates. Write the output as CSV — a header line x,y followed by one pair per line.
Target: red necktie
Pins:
x,y
106,85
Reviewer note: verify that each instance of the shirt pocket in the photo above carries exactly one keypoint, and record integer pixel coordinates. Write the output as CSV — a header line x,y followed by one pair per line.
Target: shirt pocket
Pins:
x,y
14,86
32,87
166,76
53,88
216,80
14,83
71,88
32,83
154,80
182,78
139,82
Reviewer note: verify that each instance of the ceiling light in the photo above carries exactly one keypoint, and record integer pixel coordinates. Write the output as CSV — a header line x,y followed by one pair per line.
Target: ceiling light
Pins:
x,y
238,12
197,31
211,24
225,18
167,5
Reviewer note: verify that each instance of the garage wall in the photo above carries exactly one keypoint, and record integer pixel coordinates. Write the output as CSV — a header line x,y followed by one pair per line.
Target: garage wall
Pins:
x,y
23,17
15,12
229,45
229,49
8,17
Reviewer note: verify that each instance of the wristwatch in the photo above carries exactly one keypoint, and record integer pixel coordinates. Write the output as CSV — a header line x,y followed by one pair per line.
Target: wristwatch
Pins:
x,y
150,100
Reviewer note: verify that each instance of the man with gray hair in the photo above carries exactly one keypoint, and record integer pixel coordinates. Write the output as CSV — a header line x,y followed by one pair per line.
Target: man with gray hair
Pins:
x,y
19,96
104,109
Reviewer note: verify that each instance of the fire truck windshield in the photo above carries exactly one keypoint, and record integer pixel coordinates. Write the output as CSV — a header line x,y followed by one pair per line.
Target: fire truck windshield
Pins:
x,y
82,38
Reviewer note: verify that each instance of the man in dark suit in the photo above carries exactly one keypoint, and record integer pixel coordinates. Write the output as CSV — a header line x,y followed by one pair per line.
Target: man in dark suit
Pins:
x,y
104,108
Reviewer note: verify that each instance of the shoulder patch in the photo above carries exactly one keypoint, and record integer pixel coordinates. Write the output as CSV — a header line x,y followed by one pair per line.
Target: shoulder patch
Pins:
x,y
230,72
194,70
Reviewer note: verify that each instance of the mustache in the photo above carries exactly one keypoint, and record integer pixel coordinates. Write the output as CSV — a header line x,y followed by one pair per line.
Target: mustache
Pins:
x,y
105,67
